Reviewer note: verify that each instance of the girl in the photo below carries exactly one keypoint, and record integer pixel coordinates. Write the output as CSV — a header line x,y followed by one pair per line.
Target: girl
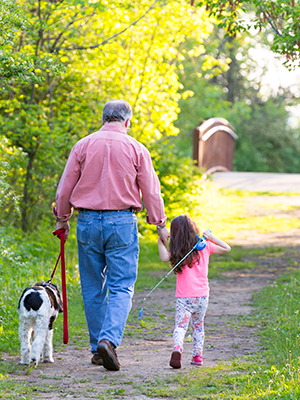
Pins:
x,y
192,284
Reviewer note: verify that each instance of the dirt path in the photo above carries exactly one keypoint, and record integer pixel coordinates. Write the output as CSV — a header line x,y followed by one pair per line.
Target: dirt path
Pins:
x,y
145,355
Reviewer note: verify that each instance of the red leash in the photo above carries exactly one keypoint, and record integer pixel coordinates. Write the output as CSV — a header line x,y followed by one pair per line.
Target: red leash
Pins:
x,y
60,233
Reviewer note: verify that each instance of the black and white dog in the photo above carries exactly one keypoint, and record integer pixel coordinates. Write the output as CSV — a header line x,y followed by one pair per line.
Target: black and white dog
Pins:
x,y
38,308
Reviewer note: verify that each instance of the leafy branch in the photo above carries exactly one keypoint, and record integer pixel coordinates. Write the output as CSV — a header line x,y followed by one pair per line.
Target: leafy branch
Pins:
x,y
282,17
153,5
269,19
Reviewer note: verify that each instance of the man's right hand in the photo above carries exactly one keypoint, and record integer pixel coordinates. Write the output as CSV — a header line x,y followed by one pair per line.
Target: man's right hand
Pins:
x,y
63,225
164,235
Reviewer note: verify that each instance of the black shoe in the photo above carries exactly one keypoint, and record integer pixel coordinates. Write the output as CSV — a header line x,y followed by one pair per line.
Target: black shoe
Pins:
x,y
97,360
107,352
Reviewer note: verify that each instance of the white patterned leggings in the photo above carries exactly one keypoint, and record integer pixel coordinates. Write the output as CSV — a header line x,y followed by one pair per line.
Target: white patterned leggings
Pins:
x,y
186,308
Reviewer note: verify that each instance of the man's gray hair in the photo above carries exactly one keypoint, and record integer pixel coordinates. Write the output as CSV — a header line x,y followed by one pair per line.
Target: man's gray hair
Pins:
x,y
116,110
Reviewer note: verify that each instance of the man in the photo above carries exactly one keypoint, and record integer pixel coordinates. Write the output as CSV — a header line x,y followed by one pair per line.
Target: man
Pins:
x,y
102,179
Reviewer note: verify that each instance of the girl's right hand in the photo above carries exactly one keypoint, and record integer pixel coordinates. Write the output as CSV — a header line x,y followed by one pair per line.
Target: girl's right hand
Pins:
x,y
208,235
221,246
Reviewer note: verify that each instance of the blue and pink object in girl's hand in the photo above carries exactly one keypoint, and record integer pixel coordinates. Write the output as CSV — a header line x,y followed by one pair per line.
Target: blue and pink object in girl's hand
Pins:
x,y
201,244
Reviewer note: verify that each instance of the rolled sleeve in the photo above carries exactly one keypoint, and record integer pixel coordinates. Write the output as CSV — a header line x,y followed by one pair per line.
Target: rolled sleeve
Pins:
x,y
68,181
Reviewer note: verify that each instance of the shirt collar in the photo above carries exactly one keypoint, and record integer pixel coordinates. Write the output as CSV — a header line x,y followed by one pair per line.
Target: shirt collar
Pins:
x,y
113,128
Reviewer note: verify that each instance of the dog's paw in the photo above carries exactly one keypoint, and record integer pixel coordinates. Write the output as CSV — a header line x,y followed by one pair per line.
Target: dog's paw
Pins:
x,y
25,358
48,360
34,362
25,362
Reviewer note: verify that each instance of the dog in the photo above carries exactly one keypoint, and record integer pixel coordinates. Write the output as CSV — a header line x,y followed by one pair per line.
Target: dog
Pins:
x,y
38,308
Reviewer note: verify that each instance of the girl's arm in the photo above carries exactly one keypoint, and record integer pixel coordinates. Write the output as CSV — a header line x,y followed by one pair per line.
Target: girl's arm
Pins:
x,y
163,252
221,247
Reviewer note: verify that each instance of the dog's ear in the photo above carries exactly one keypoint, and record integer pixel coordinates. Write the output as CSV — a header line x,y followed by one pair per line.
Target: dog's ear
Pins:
x,y
59,299
60,303
55,299
61,307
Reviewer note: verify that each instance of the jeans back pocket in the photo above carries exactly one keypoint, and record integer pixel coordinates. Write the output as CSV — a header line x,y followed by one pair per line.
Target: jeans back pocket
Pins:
x,y
83,232
124,232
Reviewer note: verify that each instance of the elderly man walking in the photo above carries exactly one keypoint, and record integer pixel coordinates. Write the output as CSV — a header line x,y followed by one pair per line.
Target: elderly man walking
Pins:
x,y
103,178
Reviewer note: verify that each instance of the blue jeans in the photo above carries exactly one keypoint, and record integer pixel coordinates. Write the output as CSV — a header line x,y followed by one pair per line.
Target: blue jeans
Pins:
x,y
108,251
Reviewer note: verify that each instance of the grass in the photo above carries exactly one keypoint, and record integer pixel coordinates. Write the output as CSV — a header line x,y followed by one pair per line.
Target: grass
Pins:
x,y
224,212
274,374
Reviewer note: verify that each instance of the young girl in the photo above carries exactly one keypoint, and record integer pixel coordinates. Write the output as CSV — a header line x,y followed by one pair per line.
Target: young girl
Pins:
x,y
192,284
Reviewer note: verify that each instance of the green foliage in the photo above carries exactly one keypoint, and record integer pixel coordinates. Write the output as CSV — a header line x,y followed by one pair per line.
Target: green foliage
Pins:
x,y
154,55
17,63
11,23
12,65
282,17
178,176
266,142
151,269
226,12
128,50
9,200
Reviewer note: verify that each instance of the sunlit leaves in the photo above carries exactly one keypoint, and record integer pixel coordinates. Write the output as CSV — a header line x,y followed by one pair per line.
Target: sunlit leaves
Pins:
x,y
109,49
282,17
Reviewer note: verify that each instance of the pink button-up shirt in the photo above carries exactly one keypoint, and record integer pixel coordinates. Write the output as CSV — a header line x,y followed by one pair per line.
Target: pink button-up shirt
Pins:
x,y
107,170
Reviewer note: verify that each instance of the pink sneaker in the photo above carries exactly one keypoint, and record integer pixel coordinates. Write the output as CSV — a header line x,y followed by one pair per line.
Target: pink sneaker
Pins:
x,y
197,360
175,361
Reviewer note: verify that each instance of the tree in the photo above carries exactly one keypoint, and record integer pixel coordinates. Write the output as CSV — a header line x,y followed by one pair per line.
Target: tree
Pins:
x,y
15,62
266,140
122,49
12,22
283,17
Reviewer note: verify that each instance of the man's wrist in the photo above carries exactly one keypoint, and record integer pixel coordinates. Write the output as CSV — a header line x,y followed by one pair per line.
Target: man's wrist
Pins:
x,y
59,220
160,226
